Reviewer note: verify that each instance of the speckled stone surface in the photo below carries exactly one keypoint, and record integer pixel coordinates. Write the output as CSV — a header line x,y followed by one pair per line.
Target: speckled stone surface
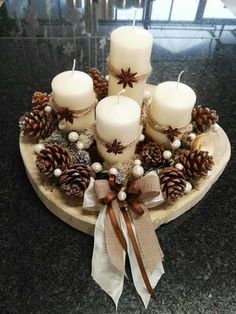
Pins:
x,y
45,264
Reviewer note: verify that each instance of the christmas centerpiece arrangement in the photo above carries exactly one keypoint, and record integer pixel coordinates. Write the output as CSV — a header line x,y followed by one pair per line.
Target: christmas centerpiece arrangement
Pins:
x,y
111,151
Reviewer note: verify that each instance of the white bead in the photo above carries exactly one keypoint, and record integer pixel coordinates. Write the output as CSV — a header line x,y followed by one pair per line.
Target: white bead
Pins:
x,y
73,136
138,171
179,166
113,171
38,147
121,196
62,125
215,127
167,154
192,136
57,172
209,173
175,144
48,109
96,167
107,77
80,145
137,162
188,187
141,137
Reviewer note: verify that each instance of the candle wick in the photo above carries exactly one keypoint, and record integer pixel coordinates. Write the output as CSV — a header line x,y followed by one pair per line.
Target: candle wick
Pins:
x,y
134,20
118,95
73,67
178,80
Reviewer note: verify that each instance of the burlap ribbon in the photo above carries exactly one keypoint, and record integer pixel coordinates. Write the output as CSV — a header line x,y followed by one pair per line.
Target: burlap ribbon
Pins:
x,y
140,236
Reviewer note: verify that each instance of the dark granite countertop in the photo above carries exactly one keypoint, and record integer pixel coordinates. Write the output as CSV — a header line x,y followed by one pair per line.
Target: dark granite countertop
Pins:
x,y
46,264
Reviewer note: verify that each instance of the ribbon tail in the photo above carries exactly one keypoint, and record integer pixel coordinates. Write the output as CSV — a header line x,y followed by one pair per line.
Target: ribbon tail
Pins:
x,y
107,276
135,269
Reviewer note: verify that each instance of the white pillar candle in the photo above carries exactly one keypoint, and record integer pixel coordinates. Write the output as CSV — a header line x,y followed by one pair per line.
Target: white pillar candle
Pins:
x,y
130,47
172,104
74,90
117,118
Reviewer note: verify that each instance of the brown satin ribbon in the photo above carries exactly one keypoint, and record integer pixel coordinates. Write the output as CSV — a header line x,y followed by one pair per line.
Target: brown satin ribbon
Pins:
x,y
133,192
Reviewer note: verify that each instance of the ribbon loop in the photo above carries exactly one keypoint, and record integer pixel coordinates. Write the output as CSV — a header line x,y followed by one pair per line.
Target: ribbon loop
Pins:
x,y
109,198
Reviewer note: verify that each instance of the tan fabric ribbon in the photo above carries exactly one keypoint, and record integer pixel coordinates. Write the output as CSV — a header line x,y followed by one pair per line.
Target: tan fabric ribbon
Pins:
x,y
145,244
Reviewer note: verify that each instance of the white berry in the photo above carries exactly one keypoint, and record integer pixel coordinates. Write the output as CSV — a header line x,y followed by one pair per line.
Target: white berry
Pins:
x,y
179,166
188,187
113,171
96,167
141,137
209,173
138,171
167,154
80,145
48,109
215,127
121,196
57,172
175,144
38,147
192,136
73,136
107,77
137,162
62,125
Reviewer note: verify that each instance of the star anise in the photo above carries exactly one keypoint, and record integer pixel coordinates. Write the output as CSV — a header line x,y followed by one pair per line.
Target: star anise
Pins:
x,y
126,78
40,100
171,133
115,147
65,113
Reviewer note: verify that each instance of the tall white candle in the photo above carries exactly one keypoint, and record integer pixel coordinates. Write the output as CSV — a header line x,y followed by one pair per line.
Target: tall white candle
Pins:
x,y
172,104
74,90
130,47
117,118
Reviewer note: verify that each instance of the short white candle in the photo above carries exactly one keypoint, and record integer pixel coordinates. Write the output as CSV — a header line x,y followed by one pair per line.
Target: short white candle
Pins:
x,y
172,104
117,120
130,47
74,90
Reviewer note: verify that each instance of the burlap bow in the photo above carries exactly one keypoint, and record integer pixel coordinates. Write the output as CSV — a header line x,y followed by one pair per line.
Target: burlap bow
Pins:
x,y
141,194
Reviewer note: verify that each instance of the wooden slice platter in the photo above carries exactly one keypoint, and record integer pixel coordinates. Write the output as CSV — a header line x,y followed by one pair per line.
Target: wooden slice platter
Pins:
x,y
73,214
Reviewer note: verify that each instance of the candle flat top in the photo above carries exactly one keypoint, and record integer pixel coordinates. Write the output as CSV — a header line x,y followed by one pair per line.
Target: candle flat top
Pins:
x,y
132,35
72,83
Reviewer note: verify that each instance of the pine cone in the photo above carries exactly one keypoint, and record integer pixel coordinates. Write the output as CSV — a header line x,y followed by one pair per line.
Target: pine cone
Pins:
x,y
40,100
196,163
152,154
203,118
100,84
51,158
37,124
75,180
172,183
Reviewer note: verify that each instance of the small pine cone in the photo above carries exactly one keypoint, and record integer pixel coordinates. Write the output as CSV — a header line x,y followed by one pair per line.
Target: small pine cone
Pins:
x,y
203,118
37,124
152,154
75,180
196,163
40,100
83,157
100,84
51,158
172,183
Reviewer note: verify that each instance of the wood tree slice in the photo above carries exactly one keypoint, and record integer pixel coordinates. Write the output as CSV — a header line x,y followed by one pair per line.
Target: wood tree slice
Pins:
x,y
73,214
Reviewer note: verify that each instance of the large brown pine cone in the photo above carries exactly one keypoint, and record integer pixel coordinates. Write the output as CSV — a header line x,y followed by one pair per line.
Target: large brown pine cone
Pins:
x,y
203,118
172,183
152,154
100,84
40,100
196,163
51,158
37,124
75,179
